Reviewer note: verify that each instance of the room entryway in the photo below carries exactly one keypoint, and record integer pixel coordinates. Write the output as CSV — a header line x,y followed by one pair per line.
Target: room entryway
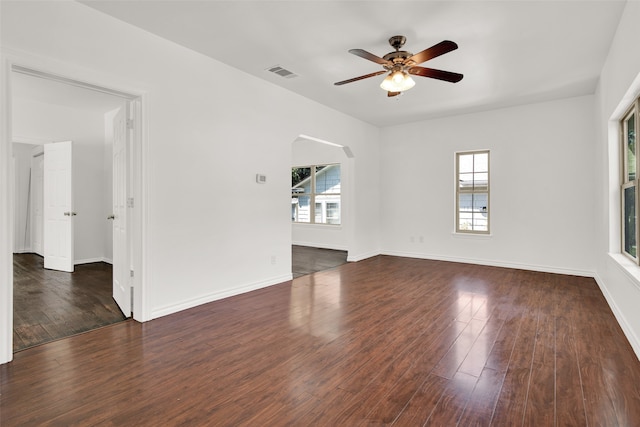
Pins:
x,y
95,287
50,304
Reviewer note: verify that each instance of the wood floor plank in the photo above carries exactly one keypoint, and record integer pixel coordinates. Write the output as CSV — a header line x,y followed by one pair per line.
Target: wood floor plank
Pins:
x,y
383,399
453,400
483,399
513,397
385,341
419,408
570,410
541,399
457,354
391,401
476,359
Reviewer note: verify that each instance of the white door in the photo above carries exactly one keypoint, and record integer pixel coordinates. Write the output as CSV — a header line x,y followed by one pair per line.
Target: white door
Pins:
x,y
58,207
37,201
121,277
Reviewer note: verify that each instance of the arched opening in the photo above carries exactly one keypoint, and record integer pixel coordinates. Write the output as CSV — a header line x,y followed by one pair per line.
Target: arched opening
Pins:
x,y
320,203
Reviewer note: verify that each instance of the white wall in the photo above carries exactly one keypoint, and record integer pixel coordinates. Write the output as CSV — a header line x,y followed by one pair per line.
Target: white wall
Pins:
x,y
305,153
209,230
619,84
91,198
541,207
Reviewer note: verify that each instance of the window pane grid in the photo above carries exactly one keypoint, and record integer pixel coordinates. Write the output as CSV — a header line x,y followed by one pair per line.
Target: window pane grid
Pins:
x,y
630,183
629,132
629,235
315,194
472,190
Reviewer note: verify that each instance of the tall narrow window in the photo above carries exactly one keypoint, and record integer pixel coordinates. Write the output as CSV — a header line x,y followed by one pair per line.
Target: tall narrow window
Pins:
x,y
315,194
629,187
472,192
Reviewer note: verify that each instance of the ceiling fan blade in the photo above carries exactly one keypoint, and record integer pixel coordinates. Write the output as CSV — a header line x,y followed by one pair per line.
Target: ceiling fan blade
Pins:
x,y
441,48
447,76
355,79
390,94
370,56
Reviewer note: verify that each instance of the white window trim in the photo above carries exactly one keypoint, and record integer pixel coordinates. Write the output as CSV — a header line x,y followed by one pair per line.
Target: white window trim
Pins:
x,y
476,233
616,169
633,109
472,235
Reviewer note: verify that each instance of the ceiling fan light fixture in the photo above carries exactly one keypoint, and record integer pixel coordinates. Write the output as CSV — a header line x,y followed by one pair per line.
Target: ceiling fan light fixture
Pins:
x,y
397,81
397,63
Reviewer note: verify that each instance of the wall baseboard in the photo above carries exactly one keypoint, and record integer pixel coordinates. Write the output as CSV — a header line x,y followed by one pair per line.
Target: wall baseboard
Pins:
x,y
320,245
492,263
92,260
23,251
622,320
76,262
215,296
362,256
624,324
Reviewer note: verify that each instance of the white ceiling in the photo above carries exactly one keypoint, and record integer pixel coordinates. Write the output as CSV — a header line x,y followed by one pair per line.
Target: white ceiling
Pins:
x,y
510,52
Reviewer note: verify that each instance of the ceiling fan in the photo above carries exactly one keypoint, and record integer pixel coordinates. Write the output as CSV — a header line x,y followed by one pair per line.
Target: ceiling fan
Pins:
x,y
400,64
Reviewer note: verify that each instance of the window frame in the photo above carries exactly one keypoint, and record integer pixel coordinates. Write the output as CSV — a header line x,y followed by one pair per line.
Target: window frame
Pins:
x,y
312,194
625,183
458,192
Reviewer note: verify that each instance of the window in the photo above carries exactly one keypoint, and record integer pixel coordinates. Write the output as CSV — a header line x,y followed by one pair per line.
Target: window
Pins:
x,y
629,187
315,194
472,192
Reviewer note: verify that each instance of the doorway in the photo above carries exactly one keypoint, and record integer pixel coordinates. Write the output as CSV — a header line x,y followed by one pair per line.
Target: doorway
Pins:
x,y
320,190
49,108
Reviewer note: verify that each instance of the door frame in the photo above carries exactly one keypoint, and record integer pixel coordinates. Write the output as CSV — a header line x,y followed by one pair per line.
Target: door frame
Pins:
x,y
11,61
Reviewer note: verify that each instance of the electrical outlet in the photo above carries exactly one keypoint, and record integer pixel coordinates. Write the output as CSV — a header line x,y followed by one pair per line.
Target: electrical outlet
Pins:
x,y
273,260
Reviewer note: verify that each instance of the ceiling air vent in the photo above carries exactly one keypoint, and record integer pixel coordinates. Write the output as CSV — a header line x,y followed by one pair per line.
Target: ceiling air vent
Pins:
x,y
282,72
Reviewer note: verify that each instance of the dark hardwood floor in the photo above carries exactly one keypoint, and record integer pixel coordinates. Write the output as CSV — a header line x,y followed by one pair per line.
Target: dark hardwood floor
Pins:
x,y
48,305
306,260
384,341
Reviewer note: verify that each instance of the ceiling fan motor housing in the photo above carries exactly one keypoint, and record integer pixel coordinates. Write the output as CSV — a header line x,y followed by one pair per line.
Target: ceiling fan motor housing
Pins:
x,y
398,58
397,42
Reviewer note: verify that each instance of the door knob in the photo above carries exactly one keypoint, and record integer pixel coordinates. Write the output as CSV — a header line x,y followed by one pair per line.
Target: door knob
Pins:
x,y
70,214
111,216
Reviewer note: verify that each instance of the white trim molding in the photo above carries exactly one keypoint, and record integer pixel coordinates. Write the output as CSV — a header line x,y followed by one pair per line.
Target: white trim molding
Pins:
x,y
494,263
215,296
362,256
628,331
6,216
